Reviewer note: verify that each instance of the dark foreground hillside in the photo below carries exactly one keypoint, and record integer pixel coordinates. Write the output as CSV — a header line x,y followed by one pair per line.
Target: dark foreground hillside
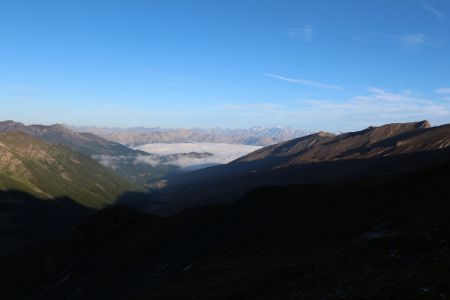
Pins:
x,y
25,218
383,238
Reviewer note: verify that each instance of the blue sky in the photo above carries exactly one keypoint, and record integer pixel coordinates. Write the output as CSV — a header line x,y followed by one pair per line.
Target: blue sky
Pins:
x,y
315,65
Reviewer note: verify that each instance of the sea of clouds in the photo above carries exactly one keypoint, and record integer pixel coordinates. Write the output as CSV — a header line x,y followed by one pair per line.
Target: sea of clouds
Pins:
x,y
222,153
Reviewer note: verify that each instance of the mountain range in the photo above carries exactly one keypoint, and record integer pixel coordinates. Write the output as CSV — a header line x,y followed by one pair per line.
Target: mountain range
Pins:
x,y
257,135
135,165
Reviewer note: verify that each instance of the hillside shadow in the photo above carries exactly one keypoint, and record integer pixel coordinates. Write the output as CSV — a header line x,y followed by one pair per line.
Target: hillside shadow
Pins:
x,y
345,228
140,200
227,185
24,217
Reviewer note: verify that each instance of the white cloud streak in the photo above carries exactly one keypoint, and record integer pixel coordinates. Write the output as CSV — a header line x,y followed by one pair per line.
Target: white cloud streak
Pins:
x,y
432,10
305,82
304,33
267,107
359,39
376,107
444,93
13,87
414,40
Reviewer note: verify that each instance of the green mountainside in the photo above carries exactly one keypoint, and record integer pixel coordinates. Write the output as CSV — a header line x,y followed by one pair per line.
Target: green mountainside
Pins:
x,y
45,170
117,157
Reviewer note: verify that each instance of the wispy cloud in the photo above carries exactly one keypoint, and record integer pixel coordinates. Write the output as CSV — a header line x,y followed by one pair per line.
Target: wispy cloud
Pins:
x,y
414,40
444,92
432,10
266,107
13,87
304,33
359,39
375,107
305,82
169,78
378,107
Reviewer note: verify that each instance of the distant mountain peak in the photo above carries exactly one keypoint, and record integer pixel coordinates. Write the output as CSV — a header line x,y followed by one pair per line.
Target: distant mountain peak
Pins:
x,y
10,125
424,124
407,126
325,134
59,126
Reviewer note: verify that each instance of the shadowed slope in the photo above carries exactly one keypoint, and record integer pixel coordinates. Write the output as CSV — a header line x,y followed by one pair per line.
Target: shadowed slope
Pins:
x,y
375,239
24,218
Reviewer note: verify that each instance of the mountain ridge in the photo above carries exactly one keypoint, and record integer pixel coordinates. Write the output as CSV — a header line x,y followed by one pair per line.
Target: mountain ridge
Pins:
x,y
317,158
137,136
58,134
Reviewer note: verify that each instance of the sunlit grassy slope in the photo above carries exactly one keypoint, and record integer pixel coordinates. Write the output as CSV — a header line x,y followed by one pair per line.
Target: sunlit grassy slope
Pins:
x,y
45,170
